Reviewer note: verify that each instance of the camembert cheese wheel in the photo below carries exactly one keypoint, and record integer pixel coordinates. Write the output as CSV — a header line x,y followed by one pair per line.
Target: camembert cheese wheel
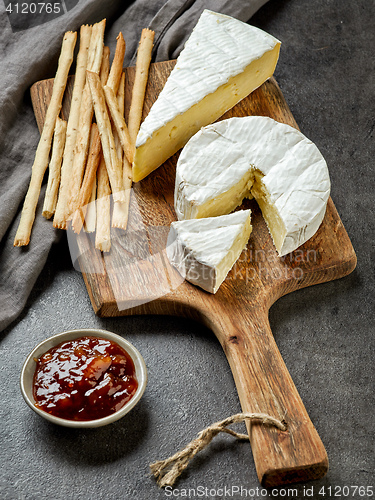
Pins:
x,y
255,156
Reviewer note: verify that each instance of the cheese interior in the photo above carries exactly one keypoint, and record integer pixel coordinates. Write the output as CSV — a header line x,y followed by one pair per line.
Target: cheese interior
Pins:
x,y
249,186
174,135
270,213
226,202
231,257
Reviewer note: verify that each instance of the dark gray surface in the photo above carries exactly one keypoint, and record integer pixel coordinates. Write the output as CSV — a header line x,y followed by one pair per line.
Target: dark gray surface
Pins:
x,y
327,74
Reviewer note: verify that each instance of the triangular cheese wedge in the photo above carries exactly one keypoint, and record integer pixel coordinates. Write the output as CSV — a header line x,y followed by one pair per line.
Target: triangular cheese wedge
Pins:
x,y
204,250
222,62
255,155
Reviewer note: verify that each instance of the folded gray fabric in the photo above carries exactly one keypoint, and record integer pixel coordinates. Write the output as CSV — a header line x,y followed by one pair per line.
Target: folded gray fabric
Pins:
x,y
29,50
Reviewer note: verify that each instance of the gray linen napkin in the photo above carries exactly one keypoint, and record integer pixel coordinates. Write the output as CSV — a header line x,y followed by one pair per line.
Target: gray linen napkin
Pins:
x,y
29,50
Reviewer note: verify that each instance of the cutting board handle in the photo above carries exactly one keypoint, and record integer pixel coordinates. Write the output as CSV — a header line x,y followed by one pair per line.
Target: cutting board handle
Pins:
x,y
265,386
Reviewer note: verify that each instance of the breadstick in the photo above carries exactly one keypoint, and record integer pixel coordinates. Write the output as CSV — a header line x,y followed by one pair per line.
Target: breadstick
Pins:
x,y
127,173
116,73
54,174
104,68
121,104
42,153
119,122
116,80
103,202
117,64
60,216
96,49
121,210
89,224
103,210
108,143
88,180
90,219
85,117
140,82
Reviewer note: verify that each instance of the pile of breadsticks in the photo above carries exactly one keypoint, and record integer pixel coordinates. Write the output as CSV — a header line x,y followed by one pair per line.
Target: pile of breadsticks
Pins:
x,y
88,157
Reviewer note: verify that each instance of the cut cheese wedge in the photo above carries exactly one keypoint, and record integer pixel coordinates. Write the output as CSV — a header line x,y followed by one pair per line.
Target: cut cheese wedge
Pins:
x,y
204,250
255,156
222,62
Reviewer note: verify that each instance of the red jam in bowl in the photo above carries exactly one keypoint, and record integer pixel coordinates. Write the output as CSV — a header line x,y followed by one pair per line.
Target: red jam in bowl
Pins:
x,y
84,379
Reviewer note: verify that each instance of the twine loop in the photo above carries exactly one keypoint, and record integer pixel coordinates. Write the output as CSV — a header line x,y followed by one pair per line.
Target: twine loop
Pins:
x,y
167,471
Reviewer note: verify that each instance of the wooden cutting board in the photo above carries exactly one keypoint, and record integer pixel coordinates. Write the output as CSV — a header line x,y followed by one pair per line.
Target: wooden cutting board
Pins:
x,y
137,270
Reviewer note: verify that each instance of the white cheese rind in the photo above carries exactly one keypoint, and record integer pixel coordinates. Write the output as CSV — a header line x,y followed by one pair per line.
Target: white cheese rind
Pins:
x,y
293,175
204,250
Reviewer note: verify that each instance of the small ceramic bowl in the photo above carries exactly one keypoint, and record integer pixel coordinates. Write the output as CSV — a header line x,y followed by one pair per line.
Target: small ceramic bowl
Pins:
x,y
28,370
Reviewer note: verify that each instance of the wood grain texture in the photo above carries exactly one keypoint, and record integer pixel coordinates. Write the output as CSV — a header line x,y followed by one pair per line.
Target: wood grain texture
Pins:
x,y
137,269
